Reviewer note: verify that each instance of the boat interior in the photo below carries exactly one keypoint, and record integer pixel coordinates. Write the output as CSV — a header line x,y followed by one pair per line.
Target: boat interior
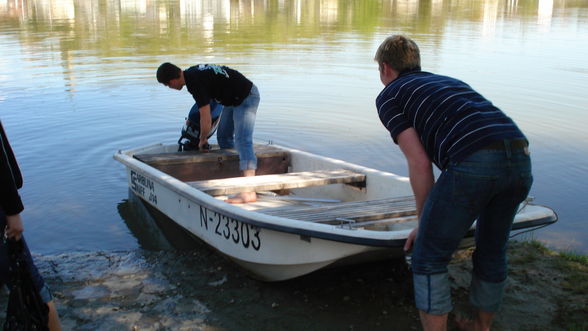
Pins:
x,y
289,187
300,186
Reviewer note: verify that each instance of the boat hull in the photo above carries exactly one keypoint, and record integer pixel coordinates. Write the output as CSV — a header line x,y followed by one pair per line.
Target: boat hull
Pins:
x,y
268,254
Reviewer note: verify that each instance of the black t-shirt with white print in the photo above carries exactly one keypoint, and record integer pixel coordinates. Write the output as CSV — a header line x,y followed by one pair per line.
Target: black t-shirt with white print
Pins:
x,y
221,83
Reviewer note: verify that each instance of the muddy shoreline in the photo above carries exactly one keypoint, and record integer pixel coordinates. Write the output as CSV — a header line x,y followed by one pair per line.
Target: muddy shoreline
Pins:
x,y
199,290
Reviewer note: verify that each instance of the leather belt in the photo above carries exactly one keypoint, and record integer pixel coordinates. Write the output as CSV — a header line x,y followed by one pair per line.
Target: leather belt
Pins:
x,y
514,144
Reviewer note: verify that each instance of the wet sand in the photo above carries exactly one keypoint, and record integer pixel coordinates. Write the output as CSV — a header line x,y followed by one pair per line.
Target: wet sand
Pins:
x,y
200,290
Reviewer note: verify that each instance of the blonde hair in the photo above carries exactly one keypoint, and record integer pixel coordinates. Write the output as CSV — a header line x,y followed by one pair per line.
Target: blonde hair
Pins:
x,y
400,53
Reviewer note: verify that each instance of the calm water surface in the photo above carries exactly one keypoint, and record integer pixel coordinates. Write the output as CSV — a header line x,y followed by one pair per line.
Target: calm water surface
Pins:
x,y
77,83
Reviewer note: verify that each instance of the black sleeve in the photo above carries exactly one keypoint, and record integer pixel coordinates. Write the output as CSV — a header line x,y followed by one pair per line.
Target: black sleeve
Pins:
x,y
202,96
10,178
197,83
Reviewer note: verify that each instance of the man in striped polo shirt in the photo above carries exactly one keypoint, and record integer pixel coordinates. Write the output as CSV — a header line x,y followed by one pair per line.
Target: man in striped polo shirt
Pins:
x,y
485,175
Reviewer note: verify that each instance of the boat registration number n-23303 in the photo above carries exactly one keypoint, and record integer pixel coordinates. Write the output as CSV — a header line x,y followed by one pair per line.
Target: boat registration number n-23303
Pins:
x,y
230,229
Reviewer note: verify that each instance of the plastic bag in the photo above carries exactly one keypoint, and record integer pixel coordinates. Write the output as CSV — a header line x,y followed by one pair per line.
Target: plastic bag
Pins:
x,y
26,309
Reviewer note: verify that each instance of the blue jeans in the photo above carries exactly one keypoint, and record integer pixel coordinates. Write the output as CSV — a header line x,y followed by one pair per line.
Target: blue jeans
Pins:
x,y
236,129
4,277
488,186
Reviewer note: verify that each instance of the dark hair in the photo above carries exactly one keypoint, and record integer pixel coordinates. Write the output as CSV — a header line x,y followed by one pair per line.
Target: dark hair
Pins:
x,y
167,71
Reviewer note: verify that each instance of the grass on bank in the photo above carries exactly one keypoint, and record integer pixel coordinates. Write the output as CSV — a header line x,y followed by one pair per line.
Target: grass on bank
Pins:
x,y
573,266
572,313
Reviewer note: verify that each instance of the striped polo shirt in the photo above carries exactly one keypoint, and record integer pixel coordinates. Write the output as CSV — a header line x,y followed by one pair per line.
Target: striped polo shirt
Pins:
x,y
452,119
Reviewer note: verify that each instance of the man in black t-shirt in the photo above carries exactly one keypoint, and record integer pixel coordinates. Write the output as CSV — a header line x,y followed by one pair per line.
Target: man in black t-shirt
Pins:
x,y
240,99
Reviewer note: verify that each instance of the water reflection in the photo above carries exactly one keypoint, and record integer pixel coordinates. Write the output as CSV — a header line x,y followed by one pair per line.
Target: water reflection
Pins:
x,y
80,33
148,26
142,224
116,31
153,230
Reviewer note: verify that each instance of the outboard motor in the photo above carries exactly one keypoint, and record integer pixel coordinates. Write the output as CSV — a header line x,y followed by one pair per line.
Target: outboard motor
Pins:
x,y
190,134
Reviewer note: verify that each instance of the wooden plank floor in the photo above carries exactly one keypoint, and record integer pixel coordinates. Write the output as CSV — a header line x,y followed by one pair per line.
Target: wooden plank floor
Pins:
x,y
358,211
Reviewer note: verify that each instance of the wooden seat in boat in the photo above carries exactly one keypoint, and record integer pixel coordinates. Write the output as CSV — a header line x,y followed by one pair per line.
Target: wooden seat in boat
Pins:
x,y
279,181
215,164
350,212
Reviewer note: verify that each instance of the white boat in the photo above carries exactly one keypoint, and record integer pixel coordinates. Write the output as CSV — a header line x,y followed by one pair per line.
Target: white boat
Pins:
x,y
312,211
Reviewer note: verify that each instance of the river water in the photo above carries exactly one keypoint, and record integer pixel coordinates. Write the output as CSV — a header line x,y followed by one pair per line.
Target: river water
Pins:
x,y
77,83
